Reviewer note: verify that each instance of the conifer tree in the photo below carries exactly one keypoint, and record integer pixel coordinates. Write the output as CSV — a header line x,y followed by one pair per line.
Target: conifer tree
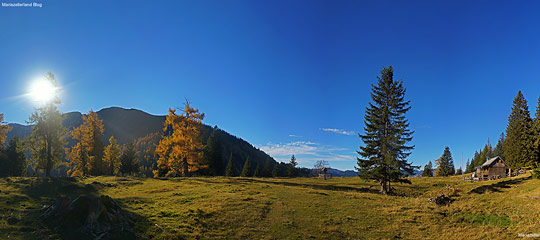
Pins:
x,y
229,172
112,157
180,150
246,171
128,161
257,172
459,171
499,148
275,171
213,154
267,170
519,148
291,168
383,158
12,159
428,170
86,156
46,143
4,129
467,166
445,164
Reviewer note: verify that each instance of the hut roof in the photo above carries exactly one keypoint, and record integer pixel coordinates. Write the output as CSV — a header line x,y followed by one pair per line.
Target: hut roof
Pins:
x,y
491,161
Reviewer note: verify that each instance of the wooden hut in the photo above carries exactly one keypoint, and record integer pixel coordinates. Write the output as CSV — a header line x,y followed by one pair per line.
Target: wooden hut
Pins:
x,y
493,168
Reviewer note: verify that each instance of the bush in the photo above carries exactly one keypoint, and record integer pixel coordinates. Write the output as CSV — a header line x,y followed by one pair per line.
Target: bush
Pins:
x,y
536,171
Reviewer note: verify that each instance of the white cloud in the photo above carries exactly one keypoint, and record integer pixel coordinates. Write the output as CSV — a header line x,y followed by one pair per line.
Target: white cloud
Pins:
x,y
306,152
292,135
338,131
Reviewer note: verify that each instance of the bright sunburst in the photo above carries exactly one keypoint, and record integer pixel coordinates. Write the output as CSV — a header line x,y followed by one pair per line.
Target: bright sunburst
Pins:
x,y
42,91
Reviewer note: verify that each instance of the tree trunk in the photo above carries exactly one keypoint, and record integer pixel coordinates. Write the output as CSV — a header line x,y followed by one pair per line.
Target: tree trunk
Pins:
x,y
383,187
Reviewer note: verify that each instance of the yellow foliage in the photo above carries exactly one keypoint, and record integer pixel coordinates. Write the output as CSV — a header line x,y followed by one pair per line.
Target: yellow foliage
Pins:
x,y
112,157
4,129
86,155
181,150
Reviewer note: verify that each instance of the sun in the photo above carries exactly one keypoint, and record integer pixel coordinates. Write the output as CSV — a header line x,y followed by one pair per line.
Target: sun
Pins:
x,y
42,91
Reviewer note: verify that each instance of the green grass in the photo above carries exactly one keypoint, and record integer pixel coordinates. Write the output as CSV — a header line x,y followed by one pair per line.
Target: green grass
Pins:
x,y
298,208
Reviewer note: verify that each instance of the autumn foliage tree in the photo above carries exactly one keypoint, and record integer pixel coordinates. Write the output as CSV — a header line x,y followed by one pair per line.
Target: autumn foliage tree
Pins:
x,y
180,149
46,141
112,156
4,129
86,155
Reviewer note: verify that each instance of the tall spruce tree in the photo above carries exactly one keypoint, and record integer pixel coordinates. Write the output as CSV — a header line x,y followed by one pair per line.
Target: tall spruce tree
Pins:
x,y
213,153
291,168
229,172
536,132
384,156
267,170
428,170
519,148
257,172
246,171
499,148
445,164
129,162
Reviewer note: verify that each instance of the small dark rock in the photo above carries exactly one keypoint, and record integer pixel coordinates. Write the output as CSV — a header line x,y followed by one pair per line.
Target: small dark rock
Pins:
x,y
12,220
441,199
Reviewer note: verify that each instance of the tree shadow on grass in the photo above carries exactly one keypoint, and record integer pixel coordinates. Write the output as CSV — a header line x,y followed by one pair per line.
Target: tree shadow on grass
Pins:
x,y
26,203
497,187
314,186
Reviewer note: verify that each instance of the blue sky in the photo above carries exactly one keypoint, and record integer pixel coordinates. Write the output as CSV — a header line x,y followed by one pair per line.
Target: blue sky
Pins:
x,y
290,77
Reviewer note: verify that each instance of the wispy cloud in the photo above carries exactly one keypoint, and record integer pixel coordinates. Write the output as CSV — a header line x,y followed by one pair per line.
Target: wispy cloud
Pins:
x,y
306,152
296,136
338,131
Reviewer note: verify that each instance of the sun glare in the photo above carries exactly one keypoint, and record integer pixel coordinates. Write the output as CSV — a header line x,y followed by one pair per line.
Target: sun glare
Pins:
x,y
42,91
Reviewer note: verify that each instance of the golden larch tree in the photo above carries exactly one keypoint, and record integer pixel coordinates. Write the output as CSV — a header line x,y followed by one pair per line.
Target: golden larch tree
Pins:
x,y
180,149
87,155
112,156
4,129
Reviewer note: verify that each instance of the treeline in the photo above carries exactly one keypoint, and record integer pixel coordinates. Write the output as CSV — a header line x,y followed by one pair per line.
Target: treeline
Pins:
x,y
186,147
519,146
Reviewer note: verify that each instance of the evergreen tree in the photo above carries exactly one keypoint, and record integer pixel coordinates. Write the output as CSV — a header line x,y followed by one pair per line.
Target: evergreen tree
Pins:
x,y
459,171
445,164
499,148
128,161
291,168
46,143
536,133
112,156
467,166
257,172
519,148
428,170
275,171
384,156
213,153
4,129
246,171
267,170
12,159
229,172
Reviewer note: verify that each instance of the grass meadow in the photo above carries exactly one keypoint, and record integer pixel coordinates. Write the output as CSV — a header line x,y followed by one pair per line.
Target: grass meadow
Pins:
x,y
286,208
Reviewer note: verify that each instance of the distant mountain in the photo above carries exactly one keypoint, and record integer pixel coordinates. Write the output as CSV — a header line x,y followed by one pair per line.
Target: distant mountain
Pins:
x,y
340,173
133,124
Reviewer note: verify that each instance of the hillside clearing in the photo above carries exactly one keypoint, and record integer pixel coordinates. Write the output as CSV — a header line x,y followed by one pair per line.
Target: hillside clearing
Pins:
x,y
297,208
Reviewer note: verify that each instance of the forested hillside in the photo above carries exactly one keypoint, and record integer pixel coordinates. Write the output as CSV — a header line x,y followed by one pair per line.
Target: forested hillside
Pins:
x,y
145,130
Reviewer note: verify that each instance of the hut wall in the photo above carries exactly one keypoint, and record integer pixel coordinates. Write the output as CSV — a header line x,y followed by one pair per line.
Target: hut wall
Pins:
x,y
497,171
